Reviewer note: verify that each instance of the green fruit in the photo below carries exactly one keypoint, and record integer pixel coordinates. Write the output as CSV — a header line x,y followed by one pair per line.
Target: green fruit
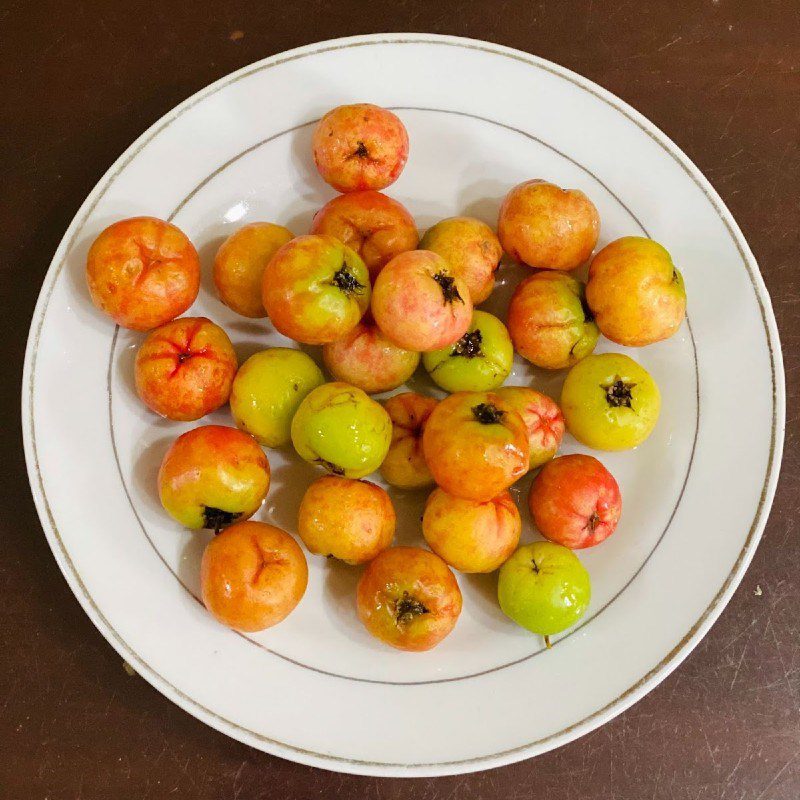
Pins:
x,y
339,427
610,402
478,362
267,391
544,587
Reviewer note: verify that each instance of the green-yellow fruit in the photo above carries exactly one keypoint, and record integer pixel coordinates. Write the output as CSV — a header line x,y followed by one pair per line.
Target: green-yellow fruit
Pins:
x,y
544,587
610,402
342,429
268,390
478,362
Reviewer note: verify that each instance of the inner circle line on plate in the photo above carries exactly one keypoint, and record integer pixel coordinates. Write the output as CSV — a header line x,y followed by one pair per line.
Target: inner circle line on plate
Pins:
x,y
590,721
187,199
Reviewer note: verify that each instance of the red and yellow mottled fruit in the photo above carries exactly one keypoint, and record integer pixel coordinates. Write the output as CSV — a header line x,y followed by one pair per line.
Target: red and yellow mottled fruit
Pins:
x,y
475,445
360,146
351,520
240,262
471,536
185,369
542,417
212,476
575,501
547,227
635,292
419,302
366,358
315,289
472,250
405,466
408,598
252,576
548,321
375,226
142,272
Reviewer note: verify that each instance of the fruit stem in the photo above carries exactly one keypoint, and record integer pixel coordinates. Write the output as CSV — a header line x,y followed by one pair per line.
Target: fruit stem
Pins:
x,y
547,642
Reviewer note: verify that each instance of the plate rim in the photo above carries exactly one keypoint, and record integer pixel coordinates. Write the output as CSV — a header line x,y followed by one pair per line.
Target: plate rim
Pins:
x,y
623,701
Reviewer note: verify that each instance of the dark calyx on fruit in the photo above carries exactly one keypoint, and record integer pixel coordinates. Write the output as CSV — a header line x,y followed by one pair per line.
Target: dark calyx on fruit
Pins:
x,y
360,151
408,607
592,522
618,393
346,281
330,466
469,345
487,414
216,519
449,288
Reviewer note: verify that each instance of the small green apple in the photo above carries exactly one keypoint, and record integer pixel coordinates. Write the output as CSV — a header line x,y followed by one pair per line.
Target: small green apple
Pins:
x,y
478,362
267,390
341,428
544,587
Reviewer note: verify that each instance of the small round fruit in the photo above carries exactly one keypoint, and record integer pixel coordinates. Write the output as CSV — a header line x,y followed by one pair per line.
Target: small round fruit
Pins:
x,y
347,519
360,146
636,293
610,402
367,359
408,598
542,417
142,272
268,390
252,576
549,322
475,445
315,289
212,476
375,226
405,466
419,303
547,227
471,249
470,536
342,429
479,361
184,369
575,501
240,262
544,587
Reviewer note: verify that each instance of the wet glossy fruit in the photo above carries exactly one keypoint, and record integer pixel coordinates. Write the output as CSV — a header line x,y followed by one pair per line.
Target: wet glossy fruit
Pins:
x,y
610,402
268,390
340,428
544,587
252,576
479,361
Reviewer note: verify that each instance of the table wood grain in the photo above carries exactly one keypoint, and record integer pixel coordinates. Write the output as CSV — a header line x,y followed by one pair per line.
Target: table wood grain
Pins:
x,y
81,80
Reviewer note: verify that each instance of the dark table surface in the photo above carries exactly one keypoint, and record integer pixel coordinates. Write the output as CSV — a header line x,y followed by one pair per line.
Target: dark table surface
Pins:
x,y
81,80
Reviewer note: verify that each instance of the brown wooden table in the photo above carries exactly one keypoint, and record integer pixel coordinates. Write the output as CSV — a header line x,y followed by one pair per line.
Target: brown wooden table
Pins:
x,y
81,80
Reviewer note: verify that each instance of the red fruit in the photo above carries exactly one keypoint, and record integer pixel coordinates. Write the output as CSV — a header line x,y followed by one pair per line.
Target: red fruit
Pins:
x,y
575,501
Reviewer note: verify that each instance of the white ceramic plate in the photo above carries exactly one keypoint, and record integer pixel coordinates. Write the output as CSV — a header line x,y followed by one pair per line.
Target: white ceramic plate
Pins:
x,y
318,689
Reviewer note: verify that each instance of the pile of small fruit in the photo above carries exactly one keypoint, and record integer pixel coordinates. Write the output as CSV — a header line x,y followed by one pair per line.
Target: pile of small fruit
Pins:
x,y
378,300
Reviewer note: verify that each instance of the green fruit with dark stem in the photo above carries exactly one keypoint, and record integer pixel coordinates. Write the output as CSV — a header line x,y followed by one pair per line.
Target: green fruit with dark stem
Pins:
x,y
544,587
478,362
